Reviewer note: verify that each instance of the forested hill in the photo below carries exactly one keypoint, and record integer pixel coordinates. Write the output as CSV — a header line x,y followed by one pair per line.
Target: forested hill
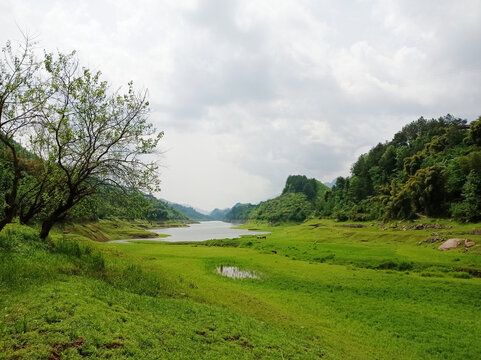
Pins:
x,y
300,199
189,212
429,168
108,202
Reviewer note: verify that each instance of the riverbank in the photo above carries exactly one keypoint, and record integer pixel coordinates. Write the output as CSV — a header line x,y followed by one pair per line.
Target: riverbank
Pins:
x,y
322,290
117,229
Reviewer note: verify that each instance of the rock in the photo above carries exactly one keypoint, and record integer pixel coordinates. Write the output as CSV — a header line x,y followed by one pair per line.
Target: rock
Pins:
x,y
419,227
434,239
450,244
353,226
405,228
468,243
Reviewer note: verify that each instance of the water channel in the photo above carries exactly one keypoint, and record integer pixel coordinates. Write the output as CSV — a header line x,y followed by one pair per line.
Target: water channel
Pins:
x,y
205,230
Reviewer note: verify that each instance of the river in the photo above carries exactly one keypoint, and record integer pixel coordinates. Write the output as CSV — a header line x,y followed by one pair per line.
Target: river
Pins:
x,y
205,230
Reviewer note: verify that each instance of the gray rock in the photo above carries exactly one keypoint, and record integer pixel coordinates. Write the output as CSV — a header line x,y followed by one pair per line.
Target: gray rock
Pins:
x,y
450,244
468,243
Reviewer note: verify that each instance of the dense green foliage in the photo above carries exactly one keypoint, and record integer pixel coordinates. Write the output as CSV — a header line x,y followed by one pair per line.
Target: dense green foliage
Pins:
x,y
300,199
430,168
218,214
284,208
239,212
190,212
111,202
108,202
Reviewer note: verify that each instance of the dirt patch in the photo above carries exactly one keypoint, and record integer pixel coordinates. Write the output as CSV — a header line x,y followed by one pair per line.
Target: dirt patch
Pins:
x,y
352,226
144,236
239,341
474,272
114,345
57,350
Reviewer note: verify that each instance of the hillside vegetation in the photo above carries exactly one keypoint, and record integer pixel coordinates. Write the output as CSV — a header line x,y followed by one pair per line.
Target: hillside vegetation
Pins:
x,y
430,168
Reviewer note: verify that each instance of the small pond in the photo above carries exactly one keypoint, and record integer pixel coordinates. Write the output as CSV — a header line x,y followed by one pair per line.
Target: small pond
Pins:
x,y
205,230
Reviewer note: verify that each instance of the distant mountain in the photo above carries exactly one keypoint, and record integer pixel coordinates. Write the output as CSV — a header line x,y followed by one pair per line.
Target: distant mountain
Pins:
x,y
218,214
196,214
162,210
330,184
189,212
239,212
202,211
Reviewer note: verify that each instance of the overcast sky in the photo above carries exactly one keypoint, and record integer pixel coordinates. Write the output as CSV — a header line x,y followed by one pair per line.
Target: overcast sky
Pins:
x,y
249,92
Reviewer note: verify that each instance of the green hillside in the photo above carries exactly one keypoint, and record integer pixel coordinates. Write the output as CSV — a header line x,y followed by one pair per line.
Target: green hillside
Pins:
x,y
301,198
239,212
189,212
430,168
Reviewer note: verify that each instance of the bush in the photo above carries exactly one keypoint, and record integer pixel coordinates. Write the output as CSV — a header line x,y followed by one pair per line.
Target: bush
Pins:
x,y
17,238
67,247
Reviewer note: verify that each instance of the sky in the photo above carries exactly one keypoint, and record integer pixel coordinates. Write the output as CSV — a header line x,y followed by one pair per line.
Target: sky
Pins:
x,y
249,92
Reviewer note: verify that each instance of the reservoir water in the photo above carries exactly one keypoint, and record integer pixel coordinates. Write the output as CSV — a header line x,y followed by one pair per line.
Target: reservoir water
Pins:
x,y
205,230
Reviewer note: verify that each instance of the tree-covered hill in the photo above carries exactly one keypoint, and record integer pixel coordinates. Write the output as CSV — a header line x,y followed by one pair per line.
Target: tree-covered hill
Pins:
x,y
189,212
429,168
300,199
239,212
218,214
109,202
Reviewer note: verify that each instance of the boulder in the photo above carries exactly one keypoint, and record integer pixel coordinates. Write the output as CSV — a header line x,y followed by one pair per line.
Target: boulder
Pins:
x,y
468,243
450,244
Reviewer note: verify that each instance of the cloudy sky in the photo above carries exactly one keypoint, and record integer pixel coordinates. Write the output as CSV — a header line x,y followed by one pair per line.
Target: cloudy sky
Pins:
x,y
251,91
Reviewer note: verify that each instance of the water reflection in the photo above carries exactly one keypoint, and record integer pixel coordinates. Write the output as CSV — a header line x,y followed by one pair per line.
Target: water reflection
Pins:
x,y
236,273
205,230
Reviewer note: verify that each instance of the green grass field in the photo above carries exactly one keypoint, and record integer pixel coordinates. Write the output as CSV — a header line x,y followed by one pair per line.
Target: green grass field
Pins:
x,y
325,292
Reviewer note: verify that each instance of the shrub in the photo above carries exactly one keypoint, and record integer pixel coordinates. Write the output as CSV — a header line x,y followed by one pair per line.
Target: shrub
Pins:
x,y
17,238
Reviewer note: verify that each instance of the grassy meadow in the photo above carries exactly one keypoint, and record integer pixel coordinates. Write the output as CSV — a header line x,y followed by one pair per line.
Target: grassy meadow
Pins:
x,y
326,291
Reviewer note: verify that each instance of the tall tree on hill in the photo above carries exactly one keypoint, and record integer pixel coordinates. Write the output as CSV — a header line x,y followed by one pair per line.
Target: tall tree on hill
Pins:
x,y
22,95
475,131
93,135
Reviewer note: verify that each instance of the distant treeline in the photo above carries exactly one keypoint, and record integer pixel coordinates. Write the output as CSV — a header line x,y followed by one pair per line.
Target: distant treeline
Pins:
x,y
430,168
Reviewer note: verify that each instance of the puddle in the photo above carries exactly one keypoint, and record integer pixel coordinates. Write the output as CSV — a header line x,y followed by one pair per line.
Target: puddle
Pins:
x,y
235,273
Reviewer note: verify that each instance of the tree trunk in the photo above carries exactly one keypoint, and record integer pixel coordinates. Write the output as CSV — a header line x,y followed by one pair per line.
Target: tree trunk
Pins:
x,y
47,226
25,218
10,199
6,219
58,214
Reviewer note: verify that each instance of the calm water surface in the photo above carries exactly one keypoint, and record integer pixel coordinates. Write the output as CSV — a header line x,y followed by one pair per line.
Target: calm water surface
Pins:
x,y
205,230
